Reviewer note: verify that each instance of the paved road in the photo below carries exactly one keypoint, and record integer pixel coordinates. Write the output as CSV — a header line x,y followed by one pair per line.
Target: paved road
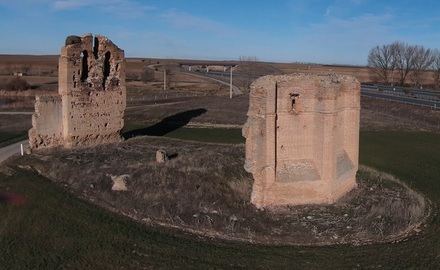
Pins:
x,y
399,98
11,150
16,113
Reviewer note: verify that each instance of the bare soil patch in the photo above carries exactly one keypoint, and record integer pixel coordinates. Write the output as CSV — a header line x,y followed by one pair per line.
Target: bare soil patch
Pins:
x,y
204,189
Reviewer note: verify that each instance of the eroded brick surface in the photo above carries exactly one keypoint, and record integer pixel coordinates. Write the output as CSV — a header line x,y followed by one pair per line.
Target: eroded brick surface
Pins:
x,y
91,100
302,138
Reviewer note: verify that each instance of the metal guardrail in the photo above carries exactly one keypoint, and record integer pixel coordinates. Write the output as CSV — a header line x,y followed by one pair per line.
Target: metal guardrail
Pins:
x,y
433,107
424,98
414,91
402,94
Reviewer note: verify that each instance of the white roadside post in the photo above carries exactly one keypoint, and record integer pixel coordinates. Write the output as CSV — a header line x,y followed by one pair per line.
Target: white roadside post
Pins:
x,y
165,79
21,149
230,84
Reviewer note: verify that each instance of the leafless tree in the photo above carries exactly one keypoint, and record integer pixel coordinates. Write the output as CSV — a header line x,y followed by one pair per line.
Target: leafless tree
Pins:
x,y
422,60
381,61
394,48
436,67
404,60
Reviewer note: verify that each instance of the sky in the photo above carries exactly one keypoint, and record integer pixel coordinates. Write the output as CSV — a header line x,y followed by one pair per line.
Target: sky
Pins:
x,y
313,31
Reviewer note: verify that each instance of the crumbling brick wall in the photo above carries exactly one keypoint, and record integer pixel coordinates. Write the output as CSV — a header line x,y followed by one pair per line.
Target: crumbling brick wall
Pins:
x,y
92,93
302,138
48,119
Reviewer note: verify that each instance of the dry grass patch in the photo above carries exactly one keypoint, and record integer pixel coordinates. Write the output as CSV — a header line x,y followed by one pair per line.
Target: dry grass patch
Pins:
x,y
204,189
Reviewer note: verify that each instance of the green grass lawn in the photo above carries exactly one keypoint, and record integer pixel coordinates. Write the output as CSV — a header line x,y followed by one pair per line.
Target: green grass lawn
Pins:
x,y
53,229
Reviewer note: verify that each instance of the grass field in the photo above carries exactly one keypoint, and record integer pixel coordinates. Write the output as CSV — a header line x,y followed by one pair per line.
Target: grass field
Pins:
x,y
217,135
50,229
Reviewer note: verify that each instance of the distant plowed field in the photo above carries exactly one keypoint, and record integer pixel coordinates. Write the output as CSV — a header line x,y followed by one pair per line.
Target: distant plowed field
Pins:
x,y
47,65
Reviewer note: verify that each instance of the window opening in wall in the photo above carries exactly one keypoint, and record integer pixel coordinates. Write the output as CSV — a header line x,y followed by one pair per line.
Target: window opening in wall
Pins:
x,y
85,66
106,68
95,47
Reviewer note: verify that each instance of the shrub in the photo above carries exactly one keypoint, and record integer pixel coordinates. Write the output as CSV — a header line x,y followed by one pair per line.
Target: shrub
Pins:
x,y
17,84
73,40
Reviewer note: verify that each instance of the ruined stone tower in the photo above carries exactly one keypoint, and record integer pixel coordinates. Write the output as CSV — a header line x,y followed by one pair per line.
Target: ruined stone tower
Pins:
x,y
302,138
90,104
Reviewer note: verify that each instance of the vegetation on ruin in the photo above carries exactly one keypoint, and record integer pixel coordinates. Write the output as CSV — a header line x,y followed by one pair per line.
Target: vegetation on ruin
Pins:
x,y
46,227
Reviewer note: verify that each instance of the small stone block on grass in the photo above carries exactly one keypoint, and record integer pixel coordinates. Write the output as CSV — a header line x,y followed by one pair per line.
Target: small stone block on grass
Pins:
x,y
161,156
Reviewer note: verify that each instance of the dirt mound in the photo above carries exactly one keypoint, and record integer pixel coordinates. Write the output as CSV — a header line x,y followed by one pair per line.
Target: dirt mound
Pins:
x,y
204,189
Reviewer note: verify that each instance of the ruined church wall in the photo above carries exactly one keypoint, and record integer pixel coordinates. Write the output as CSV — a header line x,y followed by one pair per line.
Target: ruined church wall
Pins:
x,y
94,120
46,122
92,92
302,138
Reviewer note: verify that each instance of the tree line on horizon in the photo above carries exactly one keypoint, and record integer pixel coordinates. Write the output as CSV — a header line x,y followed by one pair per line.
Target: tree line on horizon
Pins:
x,y
399,62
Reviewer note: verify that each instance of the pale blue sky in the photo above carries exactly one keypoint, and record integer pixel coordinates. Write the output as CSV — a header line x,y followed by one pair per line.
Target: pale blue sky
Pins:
x,y
333,32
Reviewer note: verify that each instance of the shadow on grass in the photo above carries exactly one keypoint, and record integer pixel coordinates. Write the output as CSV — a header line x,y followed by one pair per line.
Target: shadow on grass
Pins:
x,y
173,156
167,125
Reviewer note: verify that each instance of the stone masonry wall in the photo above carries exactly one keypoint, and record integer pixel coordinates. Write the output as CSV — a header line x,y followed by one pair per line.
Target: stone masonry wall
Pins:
x,y
302,138
48,119
92,93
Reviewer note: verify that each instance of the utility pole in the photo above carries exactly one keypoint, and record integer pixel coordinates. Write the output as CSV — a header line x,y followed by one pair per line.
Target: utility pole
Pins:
x,y
230,84
165,79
